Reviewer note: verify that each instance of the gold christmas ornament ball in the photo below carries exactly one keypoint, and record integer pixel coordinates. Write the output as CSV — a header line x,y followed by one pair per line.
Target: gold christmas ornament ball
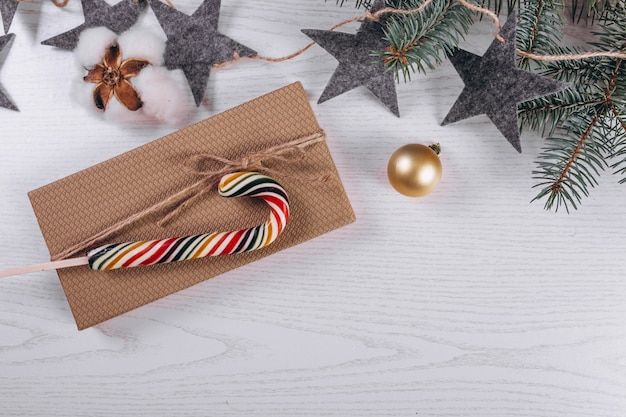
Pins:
x,y
415,170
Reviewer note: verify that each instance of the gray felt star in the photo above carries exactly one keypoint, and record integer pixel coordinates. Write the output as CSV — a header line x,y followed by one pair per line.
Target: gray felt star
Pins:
x,y
194,44
494,85
118,18
8,8
4,100
357,67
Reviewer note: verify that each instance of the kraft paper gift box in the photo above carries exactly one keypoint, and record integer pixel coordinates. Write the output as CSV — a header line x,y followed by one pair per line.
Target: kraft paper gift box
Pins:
x,y
81,205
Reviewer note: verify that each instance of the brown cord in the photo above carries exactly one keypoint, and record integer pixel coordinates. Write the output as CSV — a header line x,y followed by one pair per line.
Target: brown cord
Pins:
x,y
178,202
368,16
376,16
63,3
494,17
536,57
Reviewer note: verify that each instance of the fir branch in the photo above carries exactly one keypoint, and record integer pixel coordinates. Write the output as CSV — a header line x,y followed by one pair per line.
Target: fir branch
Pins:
x,y
545,114
417,42
593,134
497,5
586,123
571,162
604,10
539,25
358,4
581,72
620,146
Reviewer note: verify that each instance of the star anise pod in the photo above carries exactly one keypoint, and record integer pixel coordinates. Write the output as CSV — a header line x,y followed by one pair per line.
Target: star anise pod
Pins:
x,y
111,77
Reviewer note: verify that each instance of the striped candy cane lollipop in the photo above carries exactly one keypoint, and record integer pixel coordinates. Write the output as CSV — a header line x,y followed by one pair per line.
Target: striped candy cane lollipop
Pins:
x,y
149,252
130,254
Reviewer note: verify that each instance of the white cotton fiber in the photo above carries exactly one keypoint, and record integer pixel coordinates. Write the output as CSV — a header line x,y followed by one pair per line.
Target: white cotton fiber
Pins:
x,y
92,44
117,112
82,92
164,99
137,43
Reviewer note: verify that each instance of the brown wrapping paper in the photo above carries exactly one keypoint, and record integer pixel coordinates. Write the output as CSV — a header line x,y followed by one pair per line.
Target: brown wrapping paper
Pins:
x,y
74,208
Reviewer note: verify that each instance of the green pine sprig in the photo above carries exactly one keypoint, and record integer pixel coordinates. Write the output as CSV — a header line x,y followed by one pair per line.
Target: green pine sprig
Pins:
x,y
585,124
420,42
539,25
604,10
571,161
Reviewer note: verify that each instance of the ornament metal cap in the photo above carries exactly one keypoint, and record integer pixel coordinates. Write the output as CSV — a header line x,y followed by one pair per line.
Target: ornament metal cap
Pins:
x,y
436,147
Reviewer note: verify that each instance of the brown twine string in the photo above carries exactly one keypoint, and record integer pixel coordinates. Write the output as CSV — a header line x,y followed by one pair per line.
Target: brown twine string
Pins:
x,y
494,17
292,151
376,16
567,57
369,16
537,57
63,3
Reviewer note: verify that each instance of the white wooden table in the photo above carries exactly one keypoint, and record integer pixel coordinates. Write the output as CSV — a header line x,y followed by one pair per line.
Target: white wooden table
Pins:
x,y
472,302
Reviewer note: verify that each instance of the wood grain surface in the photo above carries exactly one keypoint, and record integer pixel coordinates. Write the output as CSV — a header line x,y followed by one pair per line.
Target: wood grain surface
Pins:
x,y
472,302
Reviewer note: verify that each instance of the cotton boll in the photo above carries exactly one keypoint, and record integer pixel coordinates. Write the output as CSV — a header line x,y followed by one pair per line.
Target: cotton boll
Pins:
x,y
117,112
163,98
137,43
92,44
82,92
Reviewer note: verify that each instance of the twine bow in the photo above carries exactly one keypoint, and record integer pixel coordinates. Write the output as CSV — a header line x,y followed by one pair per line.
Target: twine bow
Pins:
x,y
200,164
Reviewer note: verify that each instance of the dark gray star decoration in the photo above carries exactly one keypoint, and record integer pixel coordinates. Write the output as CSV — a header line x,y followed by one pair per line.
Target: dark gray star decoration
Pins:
x,y
118,18
8,8
494,85
194,44
4,100
357,67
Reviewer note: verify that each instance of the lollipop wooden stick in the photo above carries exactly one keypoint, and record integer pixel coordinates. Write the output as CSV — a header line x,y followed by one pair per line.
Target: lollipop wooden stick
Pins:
x,y
64,263
150,252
